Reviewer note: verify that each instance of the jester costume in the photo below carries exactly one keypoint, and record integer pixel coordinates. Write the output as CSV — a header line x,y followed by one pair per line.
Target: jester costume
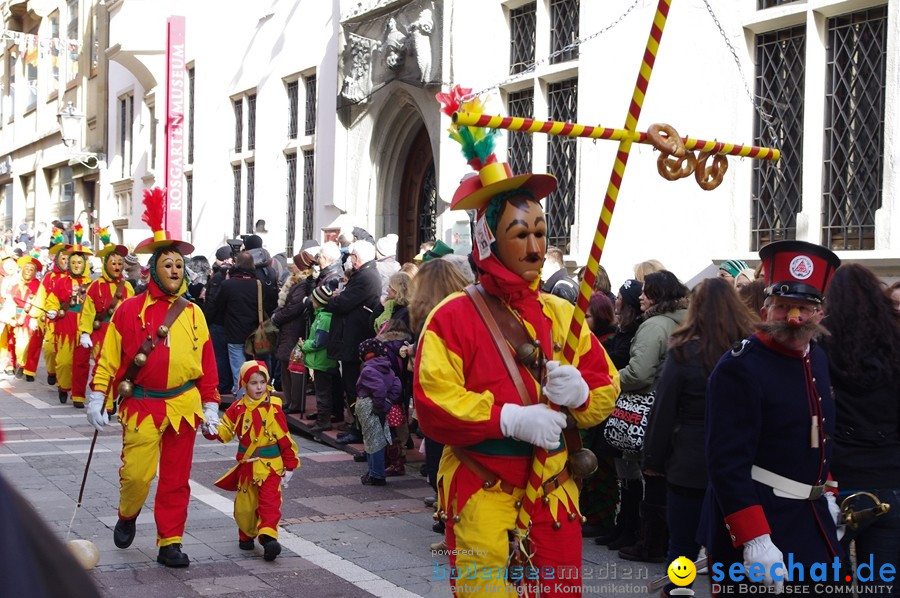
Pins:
x,y
166,394
461,387
265,451
42,336
102,298
63,305
18,327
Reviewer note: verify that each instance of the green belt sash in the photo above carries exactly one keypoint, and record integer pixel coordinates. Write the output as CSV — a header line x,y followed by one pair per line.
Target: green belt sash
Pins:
x,y
143,393
508,447
269,452
74,308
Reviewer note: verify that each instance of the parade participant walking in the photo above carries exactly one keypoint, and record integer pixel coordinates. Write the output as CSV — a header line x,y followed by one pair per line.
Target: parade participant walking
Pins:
x,y
22,294
492,415
266,455
158,357
42,328
769,424
102,298
63,306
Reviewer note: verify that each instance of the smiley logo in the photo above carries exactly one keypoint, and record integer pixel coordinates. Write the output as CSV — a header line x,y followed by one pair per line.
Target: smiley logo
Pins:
x,y
682,571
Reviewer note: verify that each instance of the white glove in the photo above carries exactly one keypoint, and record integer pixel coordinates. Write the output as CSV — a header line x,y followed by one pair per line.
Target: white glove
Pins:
x,y
211,417
32,324
565,386
835,511
761,550
86,341
51,315
285,480
96,410
535,424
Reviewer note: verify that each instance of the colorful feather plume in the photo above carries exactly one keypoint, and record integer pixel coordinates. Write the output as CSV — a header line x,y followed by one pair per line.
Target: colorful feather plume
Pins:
x,y
103,234
154,208
477,142
79,232
57,236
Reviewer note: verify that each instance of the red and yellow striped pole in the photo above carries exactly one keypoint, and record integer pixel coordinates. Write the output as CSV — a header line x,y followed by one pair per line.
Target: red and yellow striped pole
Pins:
x,y
566,129
535,479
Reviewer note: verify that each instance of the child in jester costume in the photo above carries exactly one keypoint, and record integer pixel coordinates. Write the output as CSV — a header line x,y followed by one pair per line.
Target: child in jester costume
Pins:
x,y
158,357
63,305
103,296
467,395
41,327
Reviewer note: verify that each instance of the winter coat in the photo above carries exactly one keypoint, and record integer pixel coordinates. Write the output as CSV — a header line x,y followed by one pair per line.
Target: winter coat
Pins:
x,y
648,350
378,381
315,355
352,310
213,286
674,441
332,276
618,346
236,305
292,318
562,285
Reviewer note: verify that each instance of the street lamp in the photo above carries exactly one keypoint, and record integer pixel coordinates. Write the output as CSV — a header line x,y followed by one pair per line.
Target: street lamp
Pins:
x,y
70,129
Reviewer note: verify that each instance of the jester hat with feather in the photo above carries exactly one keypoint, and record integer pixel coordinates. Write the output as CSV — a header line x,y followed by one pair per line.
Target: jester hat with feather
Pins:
x,y
477,143
154,210
109,248
57,242
78,247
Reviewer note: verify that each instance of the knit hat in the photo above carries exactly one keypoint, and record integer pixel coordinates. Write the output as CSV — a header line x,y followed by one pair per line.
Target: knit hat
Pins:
x,y
252,242
249,368
371,347
322,295
386,246
733,267
223,253
131,260
306,259
631,293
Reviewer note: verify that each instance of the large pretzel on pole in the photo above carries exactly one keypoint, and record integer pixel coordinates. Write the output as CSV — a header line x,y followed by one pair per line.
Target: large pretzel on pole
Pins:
x,y
710,177
666,139
672,168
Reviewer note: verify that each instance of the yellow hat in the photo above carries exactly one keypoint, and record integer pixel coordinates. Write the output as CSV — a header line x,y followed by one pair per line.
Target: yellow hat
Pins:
x,y
154,210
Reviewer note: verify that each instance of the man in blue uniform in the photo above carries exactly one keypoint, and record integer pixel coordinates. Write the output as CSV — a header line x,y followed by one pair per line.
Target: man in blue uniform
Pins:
x,y
769,424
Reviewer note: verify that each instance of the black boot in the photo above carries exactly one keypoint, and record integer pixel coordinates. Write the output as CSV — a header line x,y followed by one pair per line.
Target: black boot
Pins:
x,y
271,547
51,379
63,396
654,540
123,534
625,532
171,556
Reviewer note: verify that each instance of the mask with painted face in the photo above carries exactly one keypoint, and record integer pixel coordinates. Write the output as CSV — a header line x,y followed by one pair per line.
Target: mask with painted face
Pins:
x,y
168,271
521,237
76,264
28,272
62,261
114,265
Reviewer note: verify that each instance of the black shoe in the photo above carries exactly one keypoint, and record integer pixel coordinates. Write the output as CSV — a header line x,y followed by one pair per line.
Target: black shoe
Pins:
x,y
171,556
430,501
123,534
271,547
439,527
245,544
368,480
78,405
63,396
318,428
351,437
29,378
19,373
360,458
51,379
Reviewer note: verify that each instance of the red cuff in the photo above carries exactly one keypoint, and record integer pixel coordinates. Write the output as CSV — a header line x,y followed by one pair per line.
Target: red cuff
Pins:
x,y
746,524
584,405
494,430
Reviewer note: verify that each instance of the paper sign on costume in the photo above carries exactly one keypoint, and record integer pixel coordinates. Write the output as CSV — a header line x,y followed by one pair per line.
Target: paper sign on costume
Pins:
x,y
483,238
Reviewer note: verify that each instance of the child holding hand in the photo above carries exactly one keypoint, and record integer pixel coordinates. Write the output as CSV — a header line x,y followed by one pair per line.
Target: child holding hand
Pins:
x,y
266,455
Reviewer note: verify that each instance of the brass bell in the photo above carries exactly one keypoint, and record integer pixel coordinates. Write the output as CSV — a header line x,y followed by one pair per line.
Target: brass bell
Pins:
x,y
437,515
557,525
162,331
456,519
583,520
96,325
583,463
571,516
546,500
140,360
485,484
119,295
444,517
518,504
125,388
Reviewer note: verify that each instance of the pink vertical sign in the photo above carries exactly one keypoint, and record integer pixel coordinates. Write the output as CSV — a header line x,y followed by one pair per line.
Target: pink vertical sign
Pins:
x,y
175,100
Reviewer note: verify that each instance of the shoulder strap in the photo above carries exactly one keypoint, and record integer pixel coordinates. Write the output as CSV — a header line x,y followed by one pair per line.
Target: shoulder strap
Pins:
x,y
259,309
150,343
476,294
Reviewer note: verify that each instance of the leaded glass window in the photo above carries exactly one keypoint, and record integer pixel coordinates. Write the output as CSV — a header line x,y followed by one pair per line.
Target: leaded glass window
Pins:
x,y
561,163
520,103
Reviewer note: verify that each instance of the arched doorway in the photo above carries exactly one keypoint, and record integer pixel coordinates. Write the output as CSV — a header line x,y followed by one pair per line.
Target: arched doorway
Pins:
x,y
418,198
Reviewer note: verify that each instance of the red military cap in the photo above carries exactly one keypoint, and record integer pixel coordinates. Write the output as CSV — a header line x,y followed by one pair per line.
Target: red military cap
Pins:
x,y
798,269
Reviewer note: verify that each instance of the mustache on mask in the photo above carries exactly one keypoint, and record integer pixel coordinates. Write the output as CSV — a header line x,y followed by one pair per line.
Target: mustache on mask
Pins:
x,y
784,331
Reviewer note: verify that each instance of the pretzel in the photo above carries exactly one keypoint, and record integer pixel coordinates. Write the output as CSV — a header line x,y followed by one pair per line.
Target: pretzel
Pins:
x,y
710,177
666,139
672,168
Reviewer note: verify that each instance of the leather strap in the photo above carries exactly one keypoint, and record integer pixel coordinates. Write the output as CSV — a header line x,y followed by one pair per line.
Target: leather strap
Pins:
x,y
489,479
477,295
151,341
114,302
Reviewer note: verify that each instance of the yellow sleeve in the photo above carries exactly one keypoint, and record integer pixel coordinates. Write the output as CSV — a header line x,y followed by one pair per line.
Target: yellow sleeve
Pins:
x,y
87,315
226,428
110,359
51,303
37,303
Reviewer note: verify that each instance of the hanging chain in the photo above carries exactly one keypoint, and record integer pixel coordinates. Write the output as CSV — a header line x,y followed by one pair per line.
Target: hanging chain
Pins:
x,y
531,69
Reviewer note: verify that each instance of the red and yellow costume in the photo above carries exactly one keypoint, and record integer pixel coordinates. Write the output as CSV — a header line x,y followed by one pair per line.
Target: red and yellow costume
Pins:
x,y
42,338
103,297
160,419
265,451
17,331
66,297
